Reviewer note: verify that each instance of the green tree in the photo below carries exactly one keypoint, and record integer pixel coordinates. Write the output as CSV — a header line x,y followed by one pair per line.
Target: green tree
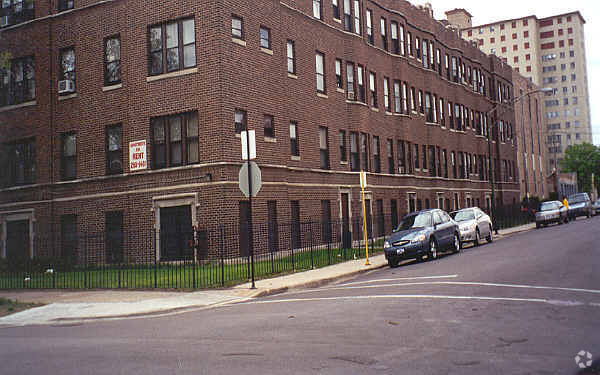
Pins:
x,y
585,160
5,60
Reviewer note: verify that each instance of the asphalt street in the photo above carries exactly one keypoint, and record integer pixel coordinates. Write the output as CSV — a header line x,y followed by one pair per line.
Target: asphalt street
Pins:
x,y
527,304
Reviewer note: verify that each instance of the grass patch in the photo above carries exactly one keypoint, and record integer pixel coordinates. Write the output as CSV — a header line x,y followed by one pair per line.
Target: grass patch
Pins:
x,y
8,306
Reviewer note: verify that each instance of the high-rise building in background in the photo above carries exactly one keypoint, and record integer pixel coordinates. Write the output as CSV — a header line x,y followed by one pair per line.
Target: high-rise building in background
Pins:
x,y
551,53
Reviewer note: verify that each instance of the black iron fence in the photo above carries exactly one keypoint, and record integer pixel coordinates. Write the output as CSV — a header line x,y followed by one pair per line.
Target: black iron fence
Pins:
x,y
206,257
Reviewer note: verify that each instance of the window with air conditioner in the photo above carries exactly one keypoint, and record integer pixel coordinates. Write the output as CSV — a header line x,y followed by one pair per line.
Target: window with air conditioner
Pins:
x,y
67,76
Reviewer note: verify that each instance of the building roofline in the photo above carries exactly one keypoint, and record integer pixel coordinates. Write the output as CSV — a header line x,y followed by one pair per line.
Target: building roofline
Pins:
x,y
526,17
456,10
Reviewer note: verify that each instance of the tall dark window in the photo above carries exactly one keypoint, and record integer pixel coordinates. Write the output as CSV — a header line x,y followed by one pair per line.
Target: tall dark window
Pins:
x,y
354,155
376,155
373,88
336,9
360,76
114,149
69,156
339,79
370,26
265,37
174,140
384,39
317,9
237,27
65,4
112,60
16,11
269,126
67,67
172,46
390,155
343,150
114,237
417,157
428,108
17,82
291,57
394,208
18,163
320,71
294,145
401,150
326,221
273,226
347,15
69,238
239,120
364,151
445,157
394,34
324,147
432,169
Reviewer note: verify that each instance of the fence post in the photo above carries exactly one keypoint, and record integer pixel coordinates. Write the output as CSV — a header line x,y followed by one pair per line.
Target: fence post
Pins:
x,y
222,254
312,260
85,274
156,238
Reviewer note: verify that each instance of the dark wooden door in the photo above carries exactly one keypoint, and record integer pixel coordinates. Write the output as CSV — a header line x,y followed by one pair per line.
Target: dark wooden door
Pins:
x,y
17,240
175,232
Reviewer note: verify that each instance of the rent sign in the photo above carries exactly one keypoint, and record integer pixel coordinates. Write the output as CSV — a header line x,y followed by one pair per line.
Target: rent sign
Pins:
x,y
137,156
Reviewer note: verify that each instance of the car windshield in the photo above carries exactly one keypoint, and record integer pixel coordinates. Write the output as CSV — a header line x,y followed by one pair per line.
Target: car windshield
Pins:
x,y
548,206
415,221
463,215
578,198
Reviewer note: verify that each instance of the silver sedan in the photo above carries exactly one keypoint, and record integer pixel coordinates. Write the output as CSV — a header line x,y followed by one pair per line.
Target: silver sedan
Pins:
x,y
474,225
551,212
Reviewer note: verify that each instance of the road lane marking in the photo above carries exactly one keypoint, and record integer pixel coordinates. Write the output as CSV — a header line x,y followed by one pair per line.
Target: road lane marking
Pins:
x,y
405,278
470,283
425,296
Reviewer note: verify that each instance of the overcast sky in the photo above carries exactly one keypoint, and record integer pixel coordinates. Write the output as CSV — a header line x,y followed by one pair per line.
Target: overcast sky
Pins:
x,y
491,11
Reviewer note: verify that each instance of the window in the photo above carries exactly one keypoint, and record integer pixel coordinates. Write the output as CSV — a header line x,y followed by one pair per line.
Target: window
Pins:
x,y
114,149
114,236
424,149
394,32
361,87
402,158
417,166
409,44
265,37
390,155
317,7
112,60
357,17
324,147
373,89
172,46
384,33
397,97
347,15
413,101
404,98
376,155
370,26
295,148
526,45
418,46
386,94
343,151
237,27
65,4
16,11
269,126
421,107
18,163
364,151
174,140
503,38
68,237
336,9
291,57
402,45
350,81
428,108
338,74
425,48
69,156
239,121
442,118
67,65
17,83
526,34
354,155
320,70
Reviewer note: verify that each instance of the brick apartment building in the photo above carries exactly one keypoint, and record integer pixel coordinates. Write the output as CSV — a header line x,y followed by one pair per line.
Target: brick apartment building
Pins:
x,y
331,87
550,52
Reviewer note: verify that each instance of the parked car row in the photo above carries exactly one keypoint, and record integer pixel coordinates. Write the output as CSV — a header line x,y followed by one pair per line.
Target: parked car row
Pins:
x,y
427,233
556,212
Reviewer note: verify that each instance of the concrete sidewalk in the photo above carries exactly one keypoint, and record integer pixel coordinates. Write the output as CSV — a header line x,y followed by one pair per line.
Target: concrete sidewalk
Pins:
x,y
64,306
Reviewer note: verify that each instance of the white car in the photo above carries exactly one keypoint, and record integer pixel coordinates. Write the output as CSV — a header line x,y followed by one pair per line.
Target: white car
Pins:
x,y
474,225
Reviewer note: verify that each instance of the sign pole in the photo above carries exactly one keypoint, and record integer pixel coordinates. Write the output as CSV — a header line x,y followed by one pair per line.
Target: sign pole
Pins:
x,y
363,184
250,234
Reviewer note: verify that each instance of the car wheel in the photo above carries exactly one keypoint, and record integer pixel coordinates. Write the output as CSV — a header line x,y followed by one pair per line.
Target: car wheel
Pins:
x,y
393,262
477,238
433,250
456,245
490,237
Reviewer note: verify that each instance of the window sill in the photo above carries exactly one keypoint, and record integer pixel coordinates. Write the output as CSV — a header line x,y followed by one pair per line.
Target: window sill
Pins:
x,y
340,90
343,162
324,96
172,74
389,113
431,123
338,20
266,50
66,97
239,41
292,75
374,109
270,140
112,87
17,106
295,158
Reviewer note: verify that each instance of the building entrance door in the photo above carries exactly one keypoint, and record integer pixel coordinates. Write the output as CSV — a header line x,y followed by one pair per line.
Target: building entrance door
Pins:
x,y
346,234
176,232
17,239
